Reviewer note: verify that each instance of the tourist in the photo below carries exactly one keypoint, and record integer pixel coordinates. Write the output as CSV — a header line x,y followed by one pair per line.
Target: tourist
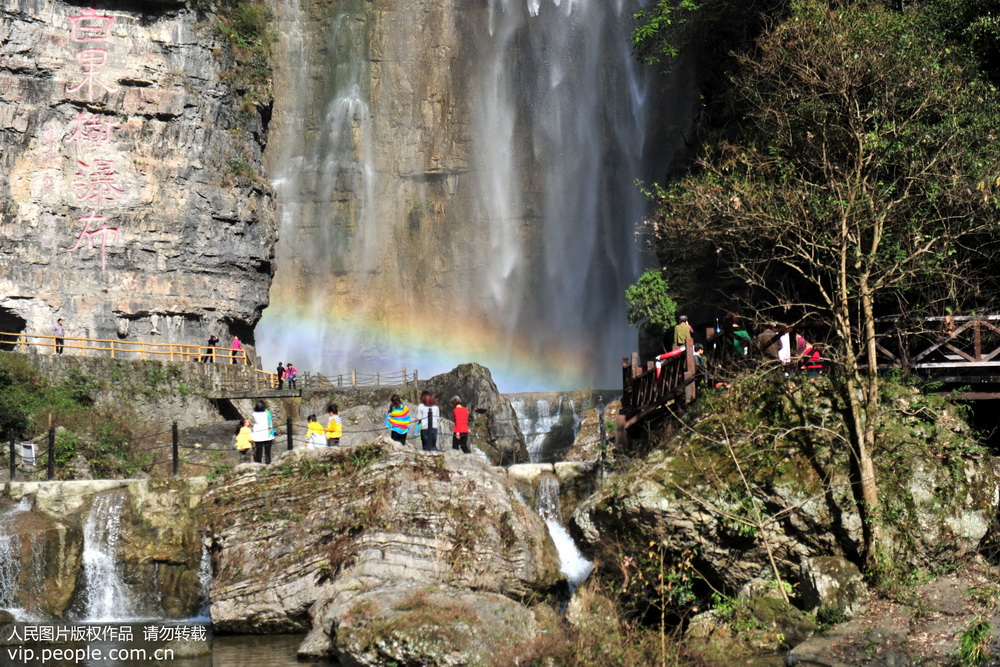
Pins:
x,y
315,437
397,420
280,376
812,361
785,348
290,375
700,367
334,427
428,418
460,439
59,331
682,332
243,442
741,341
213,340
236,348
262,433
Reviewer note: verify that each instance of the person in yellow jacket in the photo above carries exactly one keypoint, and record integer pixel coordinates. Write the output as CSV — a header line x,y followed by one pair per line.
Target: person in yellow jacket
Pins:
x,y
334,427
243,443
315,435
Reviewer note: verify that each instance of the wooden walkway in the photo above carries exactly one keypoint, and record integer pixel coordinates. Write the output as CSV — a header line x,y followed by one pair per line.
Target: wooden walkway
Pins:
x,y
650,391
956,351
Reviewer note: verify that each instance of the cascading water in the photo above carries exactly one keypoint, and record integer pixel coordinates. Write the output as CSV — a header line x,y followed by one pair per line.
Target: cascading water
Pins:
x,y
547,431
11,559
457,183
106,595
204,586
572,563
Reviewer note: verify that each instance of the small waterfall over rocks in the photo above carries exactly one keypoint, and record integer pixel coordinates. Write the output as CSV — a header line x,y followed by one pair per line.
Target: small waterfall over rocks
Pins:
x,y
549,427
106,594
572,563
11,560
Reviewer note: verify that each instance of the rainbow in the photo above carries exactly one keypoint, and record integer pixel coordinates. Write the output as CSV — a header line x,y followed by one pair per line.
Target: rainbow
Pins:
x,y
315,340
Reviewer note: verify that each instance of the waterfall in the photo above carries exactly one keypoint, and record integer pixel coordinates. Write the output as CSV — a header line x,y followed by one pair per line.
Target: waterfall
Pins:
x,y
572,563
204,586
106,595
11,558
456,182
547,432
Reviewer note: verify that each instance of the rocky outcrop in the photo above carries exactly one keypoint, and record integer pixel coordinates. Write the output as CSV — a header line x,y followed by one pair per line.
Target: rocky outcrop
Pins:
x,y
940,493
161,541
492,419
494,426
130,204
927,629
324,535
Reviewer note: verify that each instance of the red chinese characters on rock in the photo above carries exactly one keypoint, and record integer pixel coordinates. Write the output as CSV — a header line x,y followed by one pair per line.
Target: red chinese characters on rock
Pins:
x,y
87,27
95,183
103,231
91,132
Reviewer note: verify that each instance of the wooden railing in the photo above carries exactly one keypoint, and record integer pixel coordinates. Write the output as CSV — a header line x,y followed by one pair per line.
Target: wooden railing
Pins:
x,y
352,380
967,343
651,389
122,349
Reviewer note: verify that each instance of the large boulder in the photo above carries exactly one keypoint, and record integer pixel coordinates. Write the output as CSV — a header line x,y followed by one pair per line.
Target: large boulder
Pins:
x,y
834,584
493,424
292,545
419,626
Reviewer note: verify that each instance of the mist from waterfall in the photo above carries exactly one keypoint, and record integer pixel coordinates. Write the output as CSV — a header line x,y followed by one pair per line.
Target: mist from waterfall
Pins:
x,y
502,231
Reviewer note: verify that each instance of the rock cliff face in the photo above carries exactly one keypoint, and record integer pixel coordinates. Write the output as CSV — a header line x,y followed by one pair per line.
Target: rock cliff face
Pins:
x,y
345,541
130,204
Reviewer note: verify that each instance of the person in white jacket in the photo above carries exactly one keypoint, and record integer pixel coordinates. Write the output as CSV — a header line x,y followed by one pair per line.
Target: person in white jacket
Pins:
x,y
428,420
262,432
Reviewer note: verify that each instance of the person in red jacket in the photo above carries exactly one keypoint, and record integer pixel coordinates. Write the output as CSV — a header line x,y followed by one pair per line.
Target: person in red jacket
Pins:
x,y
461,438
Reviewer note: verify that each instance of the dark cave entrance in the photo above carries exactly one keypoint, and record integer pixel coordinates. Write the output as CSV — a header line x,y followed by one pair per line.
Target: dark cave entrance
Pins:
x,y
11,324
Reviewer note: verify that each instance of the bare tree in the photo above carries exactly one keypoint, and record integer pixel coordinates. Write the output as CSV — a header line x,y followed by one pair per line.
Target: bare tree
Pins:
x,y
863,177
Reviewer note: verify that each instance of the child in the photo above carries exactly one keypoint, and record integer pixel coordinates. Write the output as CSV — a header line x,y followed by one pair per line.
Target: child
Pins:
x,y
314,434
243,444
334,427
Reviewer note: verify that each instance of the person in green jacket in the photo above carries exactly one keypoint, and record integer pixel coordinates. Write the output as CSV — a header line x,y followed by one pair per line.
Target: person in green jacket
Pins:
x,y
682,332
741,341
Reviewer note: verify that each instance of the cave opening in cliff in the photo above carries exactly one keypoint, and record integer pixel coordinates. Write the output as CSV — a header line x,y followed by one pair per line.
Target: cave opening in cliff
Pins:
x,y
10,323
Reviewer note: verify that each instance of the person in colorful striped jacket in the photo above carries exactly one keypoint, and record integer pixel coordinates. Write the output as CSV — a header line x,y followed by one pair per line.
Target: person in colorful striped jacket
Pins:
x,y
397,420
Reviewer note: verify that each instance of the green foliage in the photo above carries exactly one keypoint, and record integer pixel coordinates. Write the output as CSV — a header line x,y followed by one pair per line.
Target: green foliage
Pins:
x,y
973,644
659,33
972,26
827,617
860,133
245,28
649,303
